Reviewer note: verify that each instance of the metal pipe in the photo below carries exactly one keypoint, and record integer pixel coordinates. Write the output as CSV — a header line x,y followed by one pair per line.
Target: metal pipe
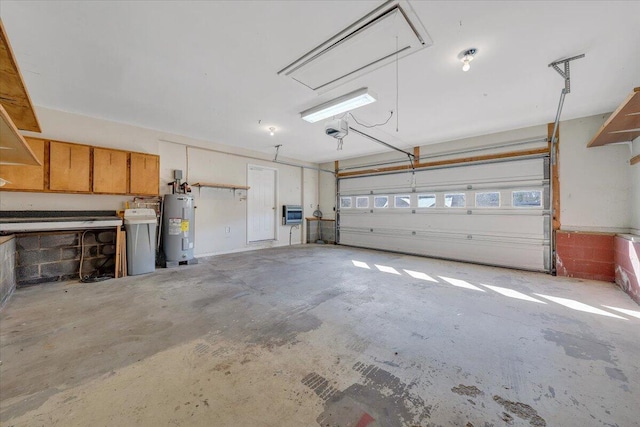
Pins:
x,y
563,93
336,223
451,153
381,142
457,165
566,60
554,142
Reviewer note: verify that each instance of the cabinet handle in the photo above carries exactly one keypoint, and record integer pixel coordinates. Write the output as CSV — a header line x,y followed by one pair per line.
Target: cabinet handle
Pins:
x,y
69,157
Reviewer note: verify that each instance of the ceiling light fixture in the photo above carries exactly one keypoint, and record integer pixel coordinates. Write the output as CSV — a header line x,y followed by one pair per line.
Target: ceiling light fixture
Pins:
x,y
350,101
272,131
466,57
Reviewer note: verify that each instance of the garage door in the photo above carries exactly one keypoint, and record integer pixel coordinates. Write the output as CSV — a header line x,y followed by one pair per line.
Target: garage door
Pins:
x,y
494,213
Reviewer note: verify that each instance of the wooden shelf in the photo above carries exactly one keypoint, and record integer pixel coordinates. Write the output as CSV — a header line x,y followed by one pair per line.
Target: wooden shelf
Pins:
x,y
13,147
214,185
623,125
13,92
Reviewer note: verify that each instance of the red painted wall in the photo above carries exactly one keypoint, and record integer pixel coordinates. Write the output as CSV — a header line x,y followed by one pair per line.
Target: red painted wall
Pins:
x,y
585,255
627,266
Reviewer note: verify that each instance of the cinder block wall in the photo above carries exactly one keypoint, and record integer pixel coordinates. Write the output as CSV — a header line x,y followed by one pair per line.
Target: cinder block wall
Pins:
x,y
50,257
7,270
585,255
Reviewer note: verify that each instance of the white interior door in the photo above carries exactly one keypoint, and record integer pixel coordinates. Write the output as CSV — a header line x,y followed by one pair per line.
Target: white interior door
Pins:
x,y
261,204
495,213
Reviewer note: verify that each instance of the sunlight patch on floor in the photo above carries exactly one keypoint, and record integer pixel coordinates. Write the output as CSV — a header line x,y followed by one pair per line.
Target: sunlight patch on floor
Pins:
x,y
387,269
575,305
626,311
512,294
361,264
421,276
460,283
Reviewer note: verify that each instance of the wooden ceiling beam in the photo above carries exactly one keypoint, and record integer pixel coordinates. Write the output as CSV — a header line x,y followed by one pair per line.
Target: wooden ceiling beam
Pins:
x,y
13,92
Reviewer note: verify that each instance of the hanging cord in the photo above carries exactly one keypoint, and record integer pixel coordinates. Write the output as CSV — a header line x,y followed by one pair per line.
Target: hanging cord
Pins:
x,y
339,144
275,159
93,277
82,253
413,170
290,230
372,126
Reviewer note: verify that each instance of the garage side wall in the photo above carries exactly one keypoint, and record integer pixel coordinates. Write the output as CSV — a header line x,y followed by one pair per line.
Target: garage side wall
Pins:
x,y
635,189
595,199
221,215
595,182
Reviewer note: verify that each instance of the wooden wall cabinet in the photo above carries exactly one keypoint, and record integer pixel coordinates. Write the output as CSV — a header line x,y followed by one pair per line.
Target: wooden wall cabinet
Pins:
x,y
76,168
24,177
144,174
109,171
69,167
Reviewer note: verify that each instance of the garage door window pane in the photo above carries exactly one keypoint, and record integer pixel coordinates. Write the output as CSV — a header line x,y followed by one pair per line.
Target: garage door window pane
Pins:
x,y
427,201
362,202
345,202
402,201
455,200
381,202
527,199
488,200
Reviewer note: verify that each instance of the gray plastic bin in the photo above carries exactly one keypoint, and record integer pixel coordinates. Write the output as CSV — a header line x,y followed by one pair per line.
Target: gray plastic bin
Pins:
x,y
141,240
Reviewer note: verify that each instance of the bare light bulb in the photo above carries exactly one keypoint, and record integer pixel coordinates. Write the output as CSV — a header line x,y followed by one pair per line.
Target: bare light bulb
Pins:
x,y
272,131
465,61
466,56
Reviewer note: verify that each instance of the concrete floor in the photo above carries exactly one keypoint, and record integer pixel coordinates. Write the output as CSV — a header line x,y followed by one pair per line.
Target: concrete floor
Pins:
x,y
326,335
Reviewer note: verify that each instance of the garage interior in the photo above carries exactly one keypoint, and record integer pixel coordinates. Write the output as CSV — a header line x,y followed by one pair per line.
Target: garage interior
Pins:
x,y
355,213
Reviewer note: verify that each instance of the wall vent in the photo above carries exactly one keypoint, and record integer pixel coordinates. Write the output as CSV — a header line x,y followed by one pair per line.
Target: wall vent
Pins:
x,y
370,43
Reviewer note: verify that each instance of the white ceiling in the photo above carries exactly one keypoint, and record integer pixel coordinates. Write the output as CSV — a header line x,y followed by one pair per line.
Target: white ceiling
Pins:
x,y
208,69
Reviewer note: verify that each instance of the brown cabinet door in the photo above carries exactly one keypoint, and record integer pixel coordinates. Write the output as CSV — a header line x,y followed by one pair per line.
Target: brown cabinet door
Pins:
x,y
145,174
69,168
26,177
109,171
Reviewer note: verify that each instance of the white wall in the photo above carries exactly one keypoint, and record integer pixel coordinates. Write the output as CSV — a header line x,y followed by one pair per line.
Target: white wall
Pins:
x,y
327,191
635,189
596,190
218,210
595,183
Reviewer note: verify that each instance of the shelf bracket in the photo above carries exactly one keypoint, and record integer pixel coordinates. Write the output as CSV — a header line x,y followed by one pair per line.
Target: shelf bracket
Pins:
x,y
565,72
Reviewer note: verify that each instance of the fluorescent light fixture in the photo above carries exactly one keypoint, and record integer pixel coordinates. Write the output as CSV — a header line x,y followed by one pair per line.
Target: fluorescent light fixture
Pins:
x,y
339,105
